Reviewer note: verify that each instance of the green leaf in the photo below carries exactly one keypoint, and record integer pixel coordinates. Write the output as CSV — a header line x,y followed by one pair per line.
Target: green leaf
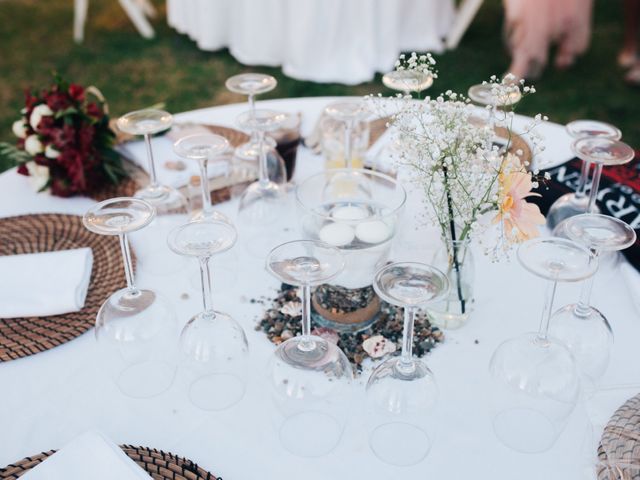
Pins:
x,y
13,155
65,112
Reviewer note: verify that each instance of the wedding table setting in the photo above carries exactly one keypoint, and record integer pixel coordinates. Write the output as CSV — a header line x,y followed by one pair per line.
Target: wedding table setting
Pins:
x,y
223,300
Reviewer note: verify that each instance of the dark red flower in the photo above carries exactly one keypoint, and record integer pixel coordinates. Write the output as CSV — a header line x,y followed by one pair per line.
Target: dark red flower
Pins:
x,y
22,169
58,101
76,92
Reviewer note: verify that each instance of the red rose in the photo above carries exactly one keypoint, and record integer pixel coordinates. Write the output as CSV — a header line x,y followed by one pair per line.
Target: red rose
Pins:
x,y
57,100
60,186
22,169
76,92
93,110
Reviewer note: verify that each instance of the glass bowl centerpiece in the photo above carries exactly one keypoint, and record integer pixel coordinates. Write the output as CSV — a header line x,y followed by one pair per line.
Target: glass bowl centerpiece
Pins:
x,y
356,211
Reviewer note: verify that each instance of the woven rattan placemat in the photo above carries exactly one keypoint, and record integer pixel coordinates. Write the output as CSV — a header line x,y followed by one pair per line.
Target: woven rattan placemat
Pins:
x,y
620,443
20,337
158,464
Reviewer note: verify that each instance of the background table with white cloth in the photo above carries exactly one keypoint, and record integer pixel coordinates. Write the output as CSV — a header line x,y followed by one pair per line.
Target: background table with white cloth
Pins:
x,y
319,40
49,398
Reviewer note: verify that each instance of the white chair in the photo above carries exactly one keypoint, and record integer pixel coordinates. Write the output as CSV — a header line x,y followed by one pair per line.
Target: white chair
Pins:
x,y
467,11
138,11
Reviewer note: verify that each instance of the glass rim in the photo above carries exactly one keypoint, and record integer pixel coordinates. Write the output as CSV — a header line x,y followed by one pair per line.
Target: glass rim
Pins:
x,y
364,171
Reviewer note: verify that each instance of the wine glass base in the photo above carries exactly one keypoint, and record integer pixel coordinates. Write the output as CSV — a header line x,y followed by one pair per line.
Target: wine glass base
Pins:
x,y
310,434
165,199
216,391
568,205
525,430
414,447
212,215
589,338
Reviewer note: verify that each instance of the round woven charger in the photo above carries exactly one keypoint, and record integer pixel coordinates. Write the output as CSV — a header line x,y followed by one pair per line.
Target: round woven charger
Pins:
x,y
20,337
158,464
620,442
138,177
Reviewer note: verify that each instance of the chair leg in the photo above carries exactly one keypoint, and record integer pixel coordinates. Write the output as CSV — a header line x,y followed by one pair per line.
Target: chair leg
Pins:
x,y
137,17
147,7
80,9
466,12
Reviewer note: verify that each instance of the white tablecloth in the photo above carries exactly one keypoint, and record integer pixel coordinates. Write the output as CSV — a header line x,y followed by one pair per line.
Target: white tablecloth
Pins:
x,y
49,398
319,40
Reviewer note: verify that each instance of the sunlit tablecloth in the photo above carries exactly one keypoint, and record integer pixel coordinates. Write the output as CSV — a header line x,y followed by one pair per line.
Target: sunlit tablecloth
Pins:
x,y
319,40
49,398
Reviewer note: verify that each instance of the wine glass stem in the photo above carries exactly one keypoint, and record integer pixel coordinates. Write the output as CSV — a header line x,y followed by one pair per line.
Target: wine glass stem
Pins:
x,y
549,297
595,184
348,148
205,277
204,185
583,308
126,259
252,104
152,165
406,358
262,166
306,344
584,179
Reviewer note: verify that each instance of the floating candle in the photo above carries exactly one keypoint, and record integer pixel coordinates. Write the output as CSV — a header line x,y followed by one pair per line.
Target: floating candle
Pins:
x,y
375,231
337,234
349,212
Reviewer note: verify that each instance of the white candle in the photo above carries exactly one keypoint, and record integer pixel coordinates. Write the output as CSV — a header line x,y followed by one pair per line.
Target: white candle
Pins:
x,y
350,212
375,231
337,234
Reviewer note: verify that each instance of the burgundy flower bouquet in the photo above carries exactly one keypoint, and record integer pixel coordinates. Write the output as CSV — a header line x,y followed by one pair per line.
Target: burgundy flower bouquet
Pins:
x,y
64,141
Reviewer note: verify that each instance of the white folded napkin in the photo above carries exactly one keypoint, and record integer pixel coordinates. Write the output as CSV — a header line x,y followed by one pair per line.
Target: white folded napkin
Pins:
x,y
89,456
42,284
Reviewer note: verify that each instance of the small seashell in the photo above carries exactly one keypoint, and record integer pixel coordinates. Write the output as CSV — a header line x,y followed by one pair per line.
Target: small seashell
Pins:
x,y
176,165
286,335
326,333
378,346
293,309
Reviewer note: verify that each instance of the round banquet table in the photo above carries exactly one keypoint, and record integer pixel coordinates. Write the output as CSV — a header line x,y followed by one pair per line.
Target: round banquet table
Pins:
x,y
49,398
319,40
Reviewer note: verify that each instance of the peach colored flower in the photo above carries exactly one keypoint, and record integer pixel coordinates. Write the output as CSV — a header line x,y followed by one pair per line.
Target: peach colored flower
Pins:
x,y
520,218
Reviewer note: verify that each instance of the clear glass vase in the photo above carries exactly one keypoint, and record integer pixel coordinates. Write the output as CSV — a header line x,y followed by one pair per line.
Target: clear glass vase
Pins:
x,y
455,259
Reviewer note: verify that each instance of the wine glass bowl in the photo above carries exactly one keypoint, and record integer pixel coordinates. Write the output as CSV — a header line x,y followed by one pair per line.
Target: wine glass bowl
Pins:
x,y
135,328
213,346
310,377
402,392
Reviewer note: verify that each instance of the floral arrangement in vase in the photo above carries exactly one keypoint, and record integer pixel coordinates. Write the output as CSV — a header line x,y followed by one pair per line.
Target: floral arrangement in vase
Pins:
x,y
468,182
64,141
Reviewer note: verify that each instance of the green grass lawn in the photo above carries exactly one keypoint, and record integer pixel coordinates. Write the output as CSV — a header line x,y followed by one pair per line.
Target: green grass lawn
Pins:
x,y
132,72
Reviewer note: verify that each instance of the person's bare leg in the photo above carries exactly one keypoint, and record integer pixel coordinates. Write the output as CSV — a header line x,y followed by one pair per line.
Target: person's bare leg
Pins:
x,y
628,53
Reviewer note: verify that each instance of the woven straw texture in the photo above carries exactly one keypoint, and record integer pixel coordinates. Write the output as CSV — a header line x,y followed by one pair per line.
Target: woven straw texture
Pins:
x,y
620,444
20,337
158,464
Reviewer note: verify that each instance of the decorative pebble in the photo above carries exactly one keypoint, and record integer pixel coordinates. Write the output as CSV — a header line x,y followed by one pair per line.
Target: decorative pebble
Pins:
x,y
378,346
337,234
375,231
350,212
184,296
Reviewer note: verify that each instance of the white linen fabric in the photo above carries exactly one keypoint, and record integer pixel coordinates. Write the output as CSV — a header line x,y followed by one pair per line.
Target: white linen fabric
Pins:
x,y
60,393
89,456
46,283
319,40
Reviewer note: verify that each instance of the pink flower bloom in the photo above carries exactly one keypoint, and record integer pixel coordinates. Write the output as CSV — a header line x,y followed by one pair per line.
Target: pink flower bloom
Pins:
x,y
520,218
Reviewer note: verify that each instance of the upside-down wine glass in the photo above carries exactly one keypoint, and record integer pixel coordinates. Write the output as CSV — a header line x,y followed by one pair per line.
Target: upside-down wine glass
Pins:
x,y
402,391
535,378
583,328
571,204
310,377
251,84
135,326
493,96
205,149
213,345
165,199
407,81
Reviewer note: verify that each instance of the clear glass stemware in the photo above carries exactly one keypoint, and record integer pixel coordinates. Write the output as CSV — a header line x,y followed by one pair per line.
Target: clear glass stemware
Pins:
x,y
407,81
310,377
535,379
213,345
402,391
135,327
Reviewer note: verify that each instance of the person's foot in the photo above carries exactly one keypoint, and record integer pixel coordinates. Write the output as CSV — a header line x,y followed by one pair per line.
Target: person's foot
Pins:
x,y
627,58
633,75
